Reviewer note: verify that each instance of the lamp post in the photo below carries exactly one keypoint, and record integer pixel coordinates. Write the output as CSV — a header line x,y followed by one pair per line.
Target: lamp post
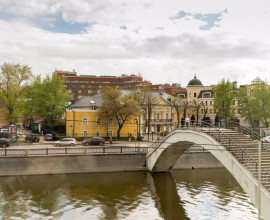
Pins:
x,y
259,178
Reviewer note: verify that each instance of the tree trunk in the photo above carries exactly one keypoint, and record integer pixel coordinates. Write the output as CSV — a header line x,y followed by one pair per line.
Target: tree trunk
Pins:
x,y
119,130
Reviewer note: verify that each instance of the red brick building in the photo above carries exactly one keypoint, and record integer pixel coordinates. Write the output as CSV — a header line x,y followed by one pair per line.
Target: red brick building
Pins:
x,y
88,85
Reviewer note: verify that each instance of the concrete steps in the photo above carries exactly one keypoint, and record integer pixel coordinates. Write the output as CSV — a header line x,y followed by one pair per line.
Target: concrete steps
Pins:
x,y
245,150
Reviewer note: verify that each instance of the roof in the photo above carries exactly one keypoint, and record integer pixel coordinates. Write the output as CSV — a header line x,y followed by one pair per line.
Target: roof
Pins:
x,y
211,91
96,100
88,101
195,82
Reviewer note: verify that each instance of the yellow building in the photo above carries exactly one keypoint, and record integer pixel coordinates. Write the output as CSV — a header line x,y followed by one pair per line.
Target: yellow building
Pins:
x,y
82,120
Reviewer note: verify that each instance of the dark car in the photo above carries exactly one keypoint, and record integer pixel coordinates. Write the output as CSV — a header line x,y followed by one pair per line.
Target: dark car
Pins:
x,y
50,137
4,142
32,138
94,141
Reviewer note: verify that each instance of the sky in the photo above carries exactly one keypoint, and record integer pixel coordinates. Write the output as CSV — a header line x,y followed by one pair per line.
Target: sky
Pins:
x,y
163,41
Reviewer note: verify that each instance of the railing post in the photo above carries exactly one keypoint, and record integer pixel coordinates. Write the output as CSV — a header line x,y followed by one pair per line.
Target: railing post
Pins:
x,y
26,152
47,151
103,150
65,150
85,150
121,149
229,143
5,152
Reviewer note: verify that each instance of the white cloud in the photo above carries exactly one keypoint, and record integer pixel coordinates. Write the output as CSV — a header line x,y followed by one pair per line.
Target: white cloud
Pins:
x,y
161,49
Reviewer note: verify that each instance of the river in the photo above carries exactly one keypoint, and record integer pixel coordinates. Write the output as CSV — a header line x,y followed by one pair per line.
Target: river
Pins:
x,y
202,194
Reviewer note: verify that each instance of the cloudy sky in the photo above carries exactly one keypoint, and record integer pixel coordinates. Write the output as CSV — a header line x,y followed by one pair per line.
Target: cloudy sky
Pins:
x,y
165,41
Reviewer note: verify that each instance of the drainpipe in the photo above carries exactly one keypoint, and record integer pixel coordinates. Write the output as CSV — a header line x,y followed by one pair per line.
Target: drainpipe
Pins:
x,y
73,128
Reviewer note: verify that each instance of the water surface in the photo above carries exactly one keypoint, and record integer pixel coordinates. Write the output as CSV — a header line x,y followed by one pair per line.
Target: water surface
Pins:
x,y
186,194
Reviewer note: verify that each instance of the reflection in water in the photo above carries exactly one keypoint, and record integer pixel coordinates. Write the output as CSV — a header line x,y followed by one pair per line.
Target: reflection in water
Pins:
x,y
187,194
213,194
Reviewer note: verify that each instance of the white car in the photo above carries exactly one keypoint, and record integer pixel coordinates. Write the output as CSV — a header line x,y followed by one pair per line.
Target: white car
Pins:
x,y
266,139
66,141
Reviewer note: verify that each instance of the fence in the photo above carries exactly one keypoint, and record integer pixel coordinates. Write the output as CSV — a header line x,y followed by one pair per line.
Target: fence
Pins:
x,y
71,151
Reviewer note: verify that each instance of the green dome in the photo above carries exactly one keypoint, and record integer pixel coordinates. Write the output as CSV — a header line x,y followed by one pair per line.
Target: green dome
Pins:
x,y
195,82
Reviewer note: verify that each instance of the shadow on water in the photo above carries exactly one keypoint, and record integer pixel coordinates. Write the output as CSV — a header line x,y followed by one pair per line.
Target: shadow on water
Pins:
x,y
166,197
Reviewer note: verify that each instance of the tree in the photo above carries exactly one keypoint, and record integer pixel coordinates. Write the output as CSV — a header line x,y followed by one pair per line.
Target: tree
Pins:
x,y
14,79
147,100
205,110
180,105
47,98
255,104
197,107
117,106
223,99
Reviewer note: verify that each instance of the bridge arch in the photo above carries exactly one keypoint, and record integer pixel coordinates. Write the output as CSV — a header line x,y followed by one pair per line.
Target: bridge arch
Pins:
x,y
163,158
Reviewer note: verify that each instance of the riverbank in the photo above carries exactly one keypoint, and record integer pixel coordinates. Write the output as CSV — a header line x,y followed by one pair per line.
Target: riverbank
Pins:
x,y
64,164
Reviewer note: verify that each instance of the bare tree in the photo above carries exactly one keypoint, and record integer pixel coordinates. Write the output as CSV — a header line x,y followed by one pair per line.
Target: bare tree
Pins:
x,y
147,100
197,107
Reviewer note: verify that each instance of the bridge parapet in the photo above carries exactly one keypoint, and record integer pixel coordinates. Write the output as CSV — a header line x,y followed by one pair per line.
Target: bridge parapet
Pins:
x,y
236,151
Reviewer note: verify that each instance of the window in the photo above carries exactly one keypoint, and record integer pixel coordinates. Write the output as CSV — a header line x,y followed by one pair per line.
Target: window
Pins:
x,y
98,121
195,94
85,121
135,120
110,133
210,102
157,116
110,121
206,103
172,116
206,95
181,95
74,91
98,133
84,91
85,134
167,116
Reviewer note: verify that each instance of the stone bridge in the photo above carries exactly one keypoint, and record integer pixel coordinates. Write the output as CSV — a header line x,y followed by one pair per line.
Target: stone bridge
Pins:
x,y
230,147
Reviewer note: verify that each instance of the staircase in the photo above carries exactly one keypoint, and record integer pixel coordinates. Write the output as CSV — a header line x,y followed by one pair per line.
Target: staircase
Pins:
x,y
245,150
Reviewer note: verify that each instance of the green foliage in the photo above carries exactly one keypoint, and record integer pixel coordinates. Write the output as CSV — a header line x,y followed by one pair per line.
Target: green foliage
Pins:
x,y
14,79
47,98
255,104
117,106
223,99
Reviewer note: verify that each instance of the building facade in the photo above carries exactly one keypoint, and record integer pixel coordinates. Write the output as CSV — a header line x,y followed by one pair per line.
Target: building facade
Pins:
x,y
88,85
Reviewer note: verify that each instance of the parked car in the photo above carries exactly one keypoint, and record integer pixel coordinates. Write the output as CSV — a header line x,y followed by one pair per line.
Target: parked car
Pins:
x,y
32,138
266,139
50,137
66,141
4,130
94,141
4,142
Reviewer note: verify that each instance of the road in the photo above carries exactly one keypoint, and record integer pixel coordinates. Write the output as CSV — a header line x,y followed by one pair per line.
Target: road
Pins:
x,y
50,144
